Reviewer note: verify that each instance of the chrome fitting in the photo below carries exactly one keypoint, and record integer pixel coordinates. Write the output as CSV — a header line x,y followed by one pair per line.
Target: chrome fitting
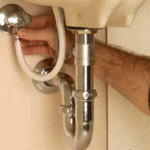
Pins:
x,y
13,16
89,94
86,95
83,31
67,109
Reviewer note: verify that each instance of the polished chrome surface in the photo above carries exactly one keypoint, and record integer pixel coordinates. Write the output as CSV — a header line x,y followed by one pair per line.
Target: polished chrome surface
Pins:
x,y
43,68
65,84
84,56
13,16
81,135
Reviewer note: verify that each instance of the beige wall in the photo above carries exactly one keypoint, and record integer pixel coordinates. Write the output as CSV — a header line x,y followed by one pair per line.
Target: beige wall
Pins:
x,y
129,129
30,120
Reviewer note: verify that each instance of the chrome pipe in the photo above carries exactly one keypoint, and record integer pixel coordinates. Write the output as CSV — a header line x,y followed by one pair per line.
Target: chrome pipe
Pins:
x,y
80,134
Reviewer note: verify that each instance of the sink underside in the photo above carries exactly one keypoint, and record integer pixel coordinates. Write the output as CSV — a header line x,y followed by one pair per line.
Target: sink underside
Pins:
x,y
96,13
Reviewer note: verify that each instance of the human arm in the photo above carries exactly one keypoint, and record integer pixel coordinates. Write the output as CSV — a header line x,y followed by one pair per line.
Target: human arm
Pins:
x,y
125,72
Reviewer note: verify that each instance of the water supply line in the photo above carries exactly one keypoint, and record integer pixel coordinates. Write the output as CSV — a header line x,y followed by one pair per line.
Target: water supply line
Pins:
x,y
14,17
61,56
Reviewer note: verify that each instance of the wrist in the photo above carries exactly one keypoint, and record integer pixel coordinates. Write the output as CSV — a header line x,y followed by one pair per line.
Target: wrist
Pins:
x,y
70,41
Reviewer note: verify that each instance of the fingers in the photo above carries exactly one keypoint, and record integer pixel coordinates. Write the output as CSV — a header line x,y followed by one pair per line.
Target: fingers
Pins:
x,y
47,34
32,43
36,47
36,50
43,21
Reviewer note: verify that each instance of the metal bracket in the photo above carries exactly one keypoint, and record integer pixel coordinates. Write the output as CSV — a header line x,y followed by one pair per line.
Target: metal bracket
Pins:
x,y
87,95
67,109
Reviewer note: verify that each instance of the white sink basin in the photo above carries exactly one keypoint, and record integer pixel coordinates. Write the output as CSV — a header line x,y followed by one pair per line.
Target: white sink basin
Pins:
x,y
96,13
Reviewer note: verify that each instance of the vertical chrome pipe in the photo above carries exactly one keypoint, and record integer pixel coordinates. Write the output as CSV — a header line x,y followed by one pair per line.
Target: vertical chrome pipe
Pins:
x,y
83,93
84,60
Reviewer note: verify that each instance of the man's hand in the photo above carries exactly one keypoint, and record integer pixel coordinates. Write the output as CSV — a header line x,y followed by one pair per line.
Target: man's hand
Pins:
x,y
127,73
40,36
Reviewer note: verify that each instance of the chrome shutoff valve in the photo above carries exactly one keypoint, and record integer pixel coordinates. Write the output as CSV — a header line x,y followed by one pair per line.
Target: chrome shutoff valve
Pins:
x,y
13,17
